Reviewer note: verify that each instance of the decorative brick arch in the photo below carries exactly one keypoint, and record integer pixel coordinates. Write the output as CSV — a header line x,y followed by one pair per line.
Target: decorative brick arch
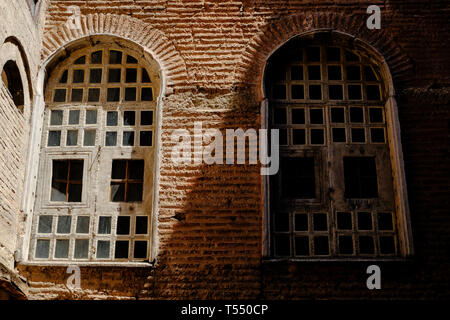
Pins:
x,y
250,70
152,40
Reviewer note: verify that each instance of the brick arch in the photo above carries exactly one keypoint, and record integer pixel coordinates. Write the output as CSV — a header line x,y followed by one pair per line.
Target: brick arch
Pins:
x,y
250,70
153,40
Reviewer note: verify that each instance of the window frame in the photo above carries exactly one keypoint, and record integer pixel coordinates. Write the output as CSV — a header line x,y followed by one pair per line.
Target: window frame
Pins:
x,y
392,139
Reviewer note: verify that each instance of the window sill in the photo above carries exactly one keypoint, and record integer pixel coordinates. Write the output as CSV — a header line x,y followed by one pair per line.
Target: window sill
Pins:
x,y
87,264
272,260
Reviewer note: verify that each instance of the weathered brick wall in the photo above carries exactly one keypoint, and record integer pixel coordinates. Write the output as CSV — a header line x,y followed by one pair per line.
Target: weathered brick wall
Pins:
x,y
18,30
210,225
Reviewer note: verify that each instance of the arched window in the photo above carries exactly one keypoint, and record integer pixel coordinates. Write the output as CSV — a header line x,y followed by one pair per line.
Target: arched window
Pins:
x,y
12,80
333,196
95,183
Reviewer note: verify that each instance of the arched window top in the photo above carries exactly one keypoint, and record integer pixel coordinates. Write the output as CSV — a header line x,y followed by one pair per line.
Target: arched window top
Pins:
x,y
317,71
13,81
103,75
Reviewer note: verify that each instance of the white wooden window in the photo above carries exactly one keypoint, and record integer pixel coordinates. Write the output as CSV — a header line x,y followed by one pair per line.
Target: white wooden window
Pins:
x,y
95,183
333,196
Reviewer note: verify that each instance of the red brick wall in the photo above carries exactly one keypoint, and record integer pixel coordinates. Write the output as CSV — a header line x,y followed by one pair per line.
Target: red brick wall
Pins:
x,y
210,217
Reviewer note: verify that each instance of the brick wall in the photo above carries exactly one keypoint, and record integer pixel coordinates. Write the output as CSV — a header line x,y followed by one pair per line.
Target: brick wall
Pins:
x,y
210,225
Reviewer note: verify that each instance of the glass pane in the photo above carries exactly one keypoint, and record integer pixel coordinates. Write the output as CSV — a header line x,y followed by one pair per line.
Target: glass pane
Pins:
x,y
74,116
94,95
337,115
76,170
123,225
129,118
344,221
117,191
131,60
42,248
346,245
136,169
147,94
114,75
356,115
140,249
297,91
334,73
91,116
89,138
58,191
369,74
121,250
335,92
95,75
321,246
354,92
350,56
298,116
134,192
298,136
54,139
314,73
119,169
113,94
104,225
339,135
72,137
103,249
301,222
364,221
83,224
81,60
60,95
146,138
131,75
75,192
111,139
130,94
115,57
64,224
317,136
146,118
360,177
376,115
302,246
111,118
64,77
320,222
45,224
78,76
316,116
373,92
56,117
145,76
385,221
96,57
77,95
81,248
315,92
353,73
283,137
62,249
128,138
366,245
141,225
